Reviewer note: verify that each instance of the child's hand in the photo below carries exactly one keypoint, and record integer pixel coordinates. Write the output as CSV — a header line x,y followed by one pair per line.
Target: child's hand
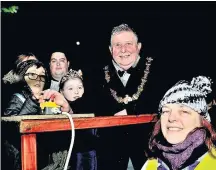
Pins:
x,y
58,98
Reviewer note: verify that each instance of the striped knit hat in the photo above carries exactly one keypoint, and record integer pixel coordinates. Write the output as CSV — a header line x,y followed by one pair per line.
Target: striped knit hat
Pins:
x,y
191,94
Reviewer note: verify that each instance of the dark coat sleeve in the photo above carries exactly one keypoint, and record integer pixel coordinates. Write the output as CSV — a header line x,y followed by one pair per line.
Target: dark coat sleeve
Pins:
x,y
17,107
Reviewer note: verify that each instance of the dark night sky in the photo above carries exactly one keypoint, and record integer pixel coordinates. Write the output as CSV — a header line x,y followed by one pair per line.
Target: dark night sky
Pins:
x,y
180,35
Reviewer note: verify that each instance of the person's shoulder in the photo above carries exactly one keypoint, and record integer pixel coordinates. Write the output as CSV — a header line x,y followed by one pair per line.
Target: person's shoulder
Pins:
x,y
212,153
149,66
208,161
146,60
17,98
108,66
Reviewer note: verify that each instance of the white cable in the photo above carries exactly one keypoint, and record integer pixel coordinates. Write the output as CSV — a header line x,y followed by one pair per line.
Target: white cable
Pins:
x,y
72,139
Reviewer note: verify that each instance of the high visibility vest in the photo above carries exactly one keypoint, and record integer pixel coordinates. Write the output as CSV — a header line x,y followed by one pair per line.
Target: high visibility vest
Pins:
x,y
207,163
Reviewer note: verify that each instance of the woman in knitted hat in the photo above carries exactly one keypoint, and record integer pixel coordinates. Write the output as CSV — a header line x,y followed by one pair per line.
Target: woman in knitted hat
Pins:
x,y
183,137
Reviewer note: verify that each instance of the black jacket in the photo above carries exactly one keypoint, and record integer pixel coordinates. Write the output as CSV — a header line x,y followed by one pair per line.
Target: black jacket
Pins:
x,y
17,107
22,105
85,139
147,102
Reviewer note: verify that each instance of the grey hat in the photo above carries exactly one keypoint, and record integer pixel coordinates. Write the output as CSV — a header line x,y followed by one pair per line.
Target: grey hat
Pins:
x,y
191,94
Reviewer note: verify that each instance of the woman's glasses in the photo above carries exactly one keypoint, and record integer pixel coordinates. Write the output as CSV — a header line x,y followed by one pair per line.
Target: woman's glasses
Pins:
x,y
33,76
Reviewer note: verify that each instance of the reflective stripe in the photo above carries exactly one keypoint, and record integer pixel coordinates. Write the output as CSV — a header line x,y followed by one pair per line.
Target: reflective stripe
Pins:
x,y
208,162
152,164
20,96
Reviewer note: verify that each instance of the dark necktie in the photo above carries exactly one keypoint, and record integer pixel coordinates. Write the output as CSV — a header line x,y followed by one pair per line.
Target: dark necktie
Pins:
x,y
120,73
129,71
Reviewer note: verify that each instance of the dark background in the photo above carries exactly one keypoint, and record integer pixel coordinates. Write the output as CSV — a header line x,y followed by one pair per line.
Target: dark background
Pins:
x,y
180,35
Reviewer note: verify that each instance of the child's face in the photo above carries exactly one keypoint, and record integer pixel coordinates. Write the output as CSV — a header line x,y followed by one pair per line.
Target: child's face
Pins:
x,y
73,89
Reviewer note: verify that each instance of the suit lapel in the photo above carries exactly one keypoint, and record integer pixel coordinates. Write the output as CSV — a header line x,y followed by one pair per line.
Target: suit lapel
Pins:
x,y
133,82
135,78
115,82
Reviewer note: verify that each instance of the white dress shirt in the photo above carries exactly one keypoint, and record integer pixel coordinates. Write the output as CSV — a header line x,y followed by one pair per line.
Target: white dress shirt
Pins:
x,y
124,79
54,85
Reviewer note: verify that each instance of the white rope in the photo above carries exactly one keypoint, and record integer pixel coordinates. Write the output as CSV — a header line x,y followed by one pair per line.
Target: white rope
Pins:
x,y
72,139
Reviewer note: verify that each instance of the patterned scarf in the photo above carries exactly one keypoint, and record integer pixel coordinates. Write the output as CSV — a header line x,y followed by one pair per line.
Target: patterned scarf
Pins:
x,y
178,154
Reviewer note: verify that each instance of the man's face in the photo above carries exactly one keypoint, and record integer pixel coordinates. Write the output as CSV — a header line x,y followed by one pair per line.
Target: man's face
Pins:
x,y
58,65
125,49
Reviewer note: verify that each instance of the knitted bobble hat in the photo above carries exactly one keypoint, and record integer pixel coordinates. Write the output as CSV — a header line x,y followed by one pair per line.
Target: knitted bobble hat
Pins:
x,y
191,94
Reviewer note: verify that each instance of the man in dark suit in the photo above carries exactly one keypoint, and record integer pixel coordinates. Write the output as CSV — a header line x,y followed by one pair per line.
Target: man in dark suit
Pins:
x,y
127,88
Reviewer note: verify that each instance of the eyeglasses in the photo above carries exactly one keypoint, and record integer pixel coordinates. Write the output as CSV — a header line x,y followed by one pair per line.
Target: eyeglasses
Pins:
x,y
33,76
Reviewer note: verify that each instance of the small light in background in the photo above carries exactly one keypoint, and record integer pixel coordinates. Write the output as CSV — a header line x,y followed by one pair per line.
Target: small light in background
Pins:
x,y
77,43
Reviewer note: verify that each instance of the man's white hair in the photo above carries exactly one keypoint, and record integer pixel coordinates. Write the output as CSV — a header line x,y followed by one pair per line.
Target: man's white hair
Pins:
x,y
121,28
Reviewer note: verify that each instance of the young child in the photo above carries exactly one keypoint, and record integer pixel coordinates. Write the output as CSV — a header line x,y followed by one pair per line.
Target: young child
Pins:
x,y
84,154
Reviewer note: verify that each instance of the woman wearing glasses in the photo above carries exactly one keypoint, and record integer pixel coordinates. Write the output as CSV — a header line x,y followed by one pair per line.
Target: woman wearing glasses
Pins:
x,y
30,77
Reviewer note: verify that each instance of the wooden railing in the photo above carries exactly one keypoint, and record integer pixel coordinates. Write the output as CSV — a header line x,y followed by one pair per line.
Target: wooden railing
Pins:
x,y
28,126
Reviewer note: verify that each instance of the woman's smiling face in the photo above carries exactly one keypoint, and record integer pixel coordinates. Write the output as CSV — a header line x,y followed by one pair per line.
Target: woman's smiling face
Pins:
x,y
177,121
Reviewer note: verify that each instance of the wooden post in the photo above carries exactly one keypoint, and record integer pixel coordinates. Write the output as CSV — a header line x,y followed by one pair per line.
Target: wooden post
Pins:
x,y
29,152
